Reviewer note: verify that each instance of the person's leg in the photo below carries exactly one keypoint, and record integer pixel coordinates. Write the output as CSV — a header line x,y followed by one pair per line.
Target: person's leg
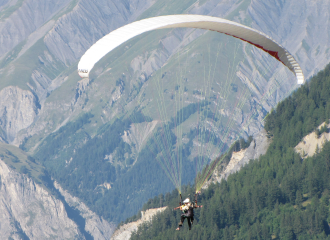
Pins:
x,y
192,219
189,223
181,222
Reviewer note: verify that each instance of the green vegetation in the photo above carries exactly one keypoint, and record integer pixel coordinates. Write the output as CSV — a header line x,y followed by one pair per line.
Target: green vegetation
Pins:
x,y
323,129
5,13
317,50
19,72
66,10
204,50
278,196
302,112
184,113
305,45
12,55
17,159
77,161
83,161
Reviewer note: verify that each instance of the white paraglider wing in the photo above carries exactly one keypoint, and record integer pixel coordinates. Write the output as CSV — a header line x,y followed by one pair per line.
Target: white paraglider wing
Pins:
x,y
123,34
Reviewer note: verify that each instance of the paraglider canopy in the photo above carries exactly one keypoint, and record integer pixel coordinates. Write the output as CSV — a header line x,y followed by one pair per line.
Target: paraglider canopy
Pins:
x,y
247,34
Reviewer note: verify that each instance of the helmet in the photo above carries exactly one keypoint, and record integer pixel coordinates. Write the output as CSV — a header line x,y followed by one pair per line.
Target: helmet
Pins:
x,y
187,200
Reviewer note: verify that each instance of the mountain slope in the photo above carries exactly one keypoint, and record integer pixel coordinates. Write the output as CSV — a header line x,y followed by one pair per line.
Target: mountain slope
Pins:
x,y
31,208
278,196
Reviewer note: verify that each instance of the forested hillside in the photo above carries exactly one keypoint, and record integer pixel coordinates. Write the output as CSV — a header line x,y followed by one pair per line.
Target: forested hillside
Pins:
x,y
278,196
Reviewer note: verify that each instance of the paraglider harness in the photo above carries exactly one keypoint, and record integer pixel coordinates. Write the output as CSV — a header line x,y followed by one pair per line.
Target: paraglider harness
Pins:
x,y
188,212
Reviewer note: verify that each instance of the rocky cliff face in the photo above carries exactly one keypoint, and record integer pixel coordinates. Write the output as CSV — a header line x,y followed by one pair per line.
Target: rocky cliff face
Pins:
x,y
125,231
18,110
17,25
95,225
258,147
312,143
28,211
138,135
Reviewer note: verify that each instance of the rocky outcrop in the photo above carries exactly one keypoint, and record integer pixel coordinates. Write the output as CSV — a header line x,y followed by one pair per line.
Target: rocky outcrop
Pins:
x,y
146,64
312,143
138,135
95,225
258,147
81,87
18,110
125,231
28,211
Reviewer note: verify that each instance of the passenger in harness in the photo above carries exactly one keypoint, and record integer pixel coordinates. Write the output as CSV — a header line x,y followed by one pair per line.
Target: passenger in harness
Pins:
x,y
187,212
